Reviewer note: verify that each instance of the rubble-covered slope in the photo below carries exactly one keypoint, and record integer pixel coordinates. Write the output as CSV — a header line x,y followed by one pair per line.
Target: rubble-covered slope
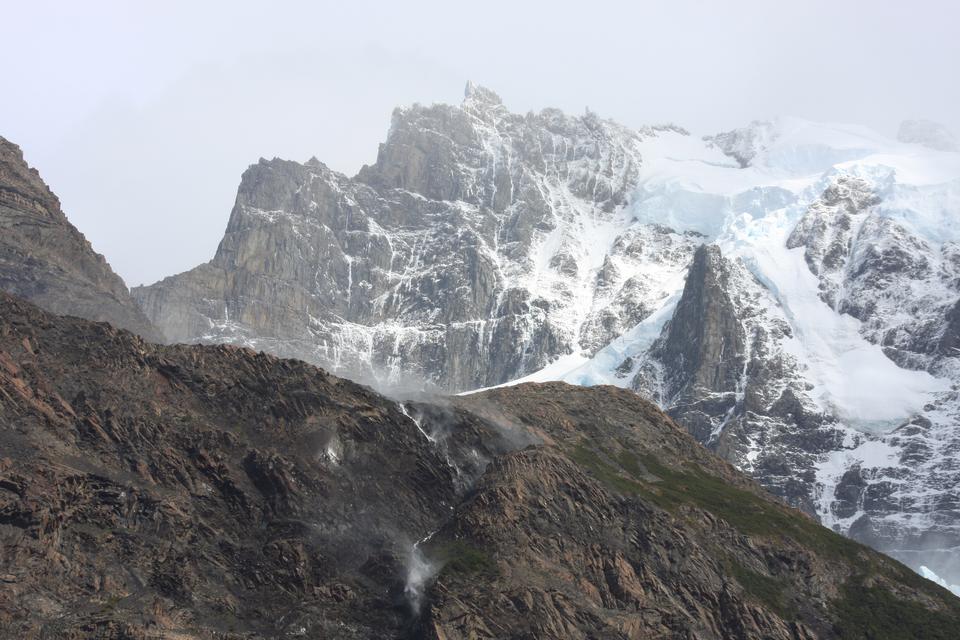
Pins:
x,y
213,492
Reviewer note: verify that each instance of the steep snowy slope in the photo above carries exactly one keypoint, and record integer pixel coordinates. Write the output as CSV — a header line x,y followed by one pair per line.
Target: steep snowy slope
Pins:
x,y
787,291
815,344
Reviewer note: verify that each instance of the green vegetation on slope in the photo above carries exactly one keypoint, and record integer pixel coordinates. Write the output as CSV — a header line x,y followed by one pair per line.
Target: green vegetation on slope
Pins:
x,y
873,613
864,611
459,557
772,592
749,512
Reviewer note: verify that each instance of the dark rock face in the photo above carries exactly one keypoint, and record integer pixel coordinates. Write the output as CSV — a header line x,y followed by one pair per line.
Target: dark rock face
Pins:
x,y
705,341
600,528
45,259
720,368
466,256
150,490
212,492
949,343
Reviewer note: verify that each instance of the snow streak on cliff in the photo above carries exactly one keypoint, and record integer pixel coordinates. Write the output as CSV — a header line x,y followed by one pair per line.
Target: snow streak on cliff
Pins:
x,y
788,291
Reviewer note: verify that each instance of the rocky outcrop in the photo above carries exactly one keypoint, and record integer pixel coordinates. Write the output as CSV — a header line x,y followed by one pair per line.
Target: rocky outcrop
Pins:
x,y
721,367
744,144
705,342
481,246
869,265
213,492
902,288
151,491
46,260
827,229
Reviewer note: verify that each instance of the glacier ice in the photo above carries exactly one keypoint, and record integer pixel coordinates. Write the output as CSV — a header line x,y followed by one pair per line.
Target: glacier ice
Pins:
x,y
750,211
930,575
485,247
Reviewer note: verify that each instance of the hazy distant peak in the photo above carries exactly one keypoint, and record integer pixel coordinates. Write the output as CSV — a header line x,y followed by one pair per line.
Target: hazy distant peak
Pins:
x,y
477,95
745,143
928,133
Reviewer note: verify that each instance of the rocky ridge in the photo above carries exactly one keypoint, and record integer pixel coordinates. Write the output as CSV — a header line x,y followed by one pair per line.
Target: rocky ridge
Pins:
x,y
45,259
213,492
482,245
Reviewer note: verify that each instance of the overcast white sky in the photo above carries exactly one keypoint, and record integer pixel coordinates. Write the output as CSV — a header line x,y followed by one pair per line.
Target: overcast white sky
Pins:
x,y
142,116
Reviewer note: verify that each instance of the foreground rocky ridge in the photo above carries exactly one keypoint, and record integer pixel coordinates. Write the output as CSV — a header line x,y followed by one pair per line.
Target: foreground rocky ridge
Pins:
x,y
203,491
46,260
213,492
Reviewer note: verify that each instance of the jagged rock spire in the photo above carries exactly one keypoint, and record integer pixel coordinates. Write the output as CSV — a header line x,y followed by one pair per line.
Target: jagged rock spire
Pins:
x,y
477,95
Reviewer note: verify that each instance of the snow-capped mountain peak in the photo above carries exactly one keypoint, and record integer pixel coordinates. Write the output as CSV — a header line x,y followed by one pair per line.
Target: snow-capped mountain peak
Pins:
x,y
788,291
